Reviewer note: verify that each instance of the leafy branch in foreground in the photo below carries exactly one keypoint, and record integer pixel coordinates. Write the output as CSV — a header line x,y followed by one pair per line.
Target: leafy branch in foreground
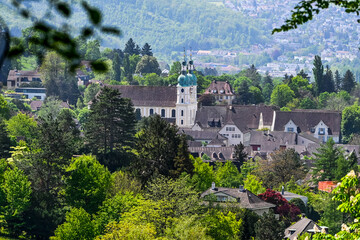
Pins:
x,y
57,38
306,9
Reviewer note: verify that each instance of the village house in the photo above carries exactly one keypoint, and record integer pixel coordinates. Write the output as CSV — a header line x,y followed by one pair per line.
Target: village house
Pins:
x,y
304,225
239,197
222,91
18,77
320,124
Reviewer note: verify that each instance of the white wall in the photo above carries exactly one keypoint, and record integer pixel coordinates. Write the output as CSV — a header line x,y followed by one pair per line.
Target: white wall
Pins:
x,y
229,131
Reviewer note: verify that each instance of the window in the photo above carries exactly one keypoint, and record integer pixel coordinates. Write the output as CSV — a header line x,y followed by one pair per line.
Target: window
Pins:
x,y
182,100
173,113
321,131
182,122
151,111
290,129
163,113
182,90
222,198
182,113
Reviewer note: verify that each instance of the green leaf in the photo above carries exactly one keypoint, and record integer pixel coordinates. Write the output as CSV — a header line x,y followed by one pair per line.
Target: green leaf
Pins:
x,y
111,30
99,66
16,51
63,8
93,13
87,32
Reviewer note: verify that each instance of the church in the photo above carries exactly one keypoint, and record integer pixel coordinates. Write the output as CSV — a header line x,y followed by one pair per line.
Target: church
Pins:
x,y
176,104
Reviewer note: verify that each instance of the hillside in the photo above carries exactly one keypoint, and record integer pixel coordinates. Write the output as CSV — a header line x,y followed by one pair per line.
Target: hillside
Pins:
x,y
167,25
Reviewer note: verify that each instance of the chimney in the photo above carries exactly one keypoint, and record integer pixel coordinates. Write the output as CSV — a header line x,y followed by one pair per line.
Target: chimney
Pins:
x,y
213,186
282,190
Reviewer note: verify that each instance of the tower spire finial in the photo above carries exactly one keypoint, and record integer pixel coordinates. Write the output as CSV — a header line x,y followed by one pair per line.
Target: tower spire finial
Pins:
x,y
190,53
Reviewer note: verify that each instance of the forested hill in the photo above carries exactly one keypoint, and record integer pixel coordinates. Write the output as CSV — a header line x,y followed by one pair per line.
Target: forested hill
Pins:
x,y
169,25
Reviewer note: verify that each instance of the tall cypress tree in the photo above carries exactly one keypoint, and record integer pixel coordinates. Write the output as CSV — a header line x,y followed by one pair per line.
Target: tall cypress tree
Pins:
x,y
5,142
348,81
318,71
338,81
328,81
116,67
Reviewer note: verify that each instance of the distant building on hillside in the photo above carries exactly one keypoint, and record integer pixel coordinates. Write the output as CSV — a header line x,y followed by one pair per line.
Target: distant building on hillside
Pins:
x,y
222,91
17,77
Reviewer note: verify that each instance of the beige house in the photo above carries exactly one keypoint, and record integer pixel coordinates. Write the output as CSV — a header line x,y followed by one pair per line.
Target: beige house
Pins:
x,y
17,77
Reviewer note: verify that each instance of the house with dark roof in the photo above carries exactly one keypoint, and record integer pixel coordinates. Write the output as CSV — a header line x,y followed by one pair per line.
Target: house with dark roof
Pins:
x,y
233,122
222,91
17,77
320,124
238,197
177,104
304,225
266,141
216,154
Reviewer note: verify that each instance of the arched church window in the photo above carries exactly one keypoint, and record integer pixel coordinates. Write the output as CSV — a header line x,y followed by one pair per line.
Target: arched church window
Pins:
x,y
151,111
182,90
162,112
182,122
173,113
182,100
182,113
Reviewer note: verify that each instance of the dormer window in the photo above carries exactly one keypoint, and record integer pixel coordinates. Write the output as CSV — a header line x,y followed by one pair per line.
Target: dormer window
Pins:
x,y
290,129
214,91
221,91
321,131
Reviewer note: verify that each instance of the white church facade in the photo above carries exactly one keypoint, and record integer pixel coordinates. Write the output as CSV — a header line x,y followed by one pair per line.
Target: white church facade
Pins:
x,y
176,104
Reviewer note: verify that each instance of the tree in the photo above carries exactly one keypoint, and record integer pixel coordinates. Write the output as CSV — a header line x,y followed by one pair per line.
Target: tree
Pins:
x,y
227,175
15,194
203,174
146,50
129,230
307,103
269,228
318,71
207,100
328,80
244,95
284,164
87,184
281,95
253,75
174,195
303,12
267,87
240,154
326,160
187,227
4,108
130,47
222,226
148,64
78,225
253,184
22,125
159,150
350,121
117,67
93,50
110,127
288,212
5,141
348,82
58,80
338,81
175,68
90,92
50,108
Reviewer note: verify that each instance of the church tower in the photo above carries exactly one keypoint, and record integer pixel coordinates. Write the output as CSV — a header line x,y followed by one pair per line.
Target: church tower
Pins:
x,y
186,104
